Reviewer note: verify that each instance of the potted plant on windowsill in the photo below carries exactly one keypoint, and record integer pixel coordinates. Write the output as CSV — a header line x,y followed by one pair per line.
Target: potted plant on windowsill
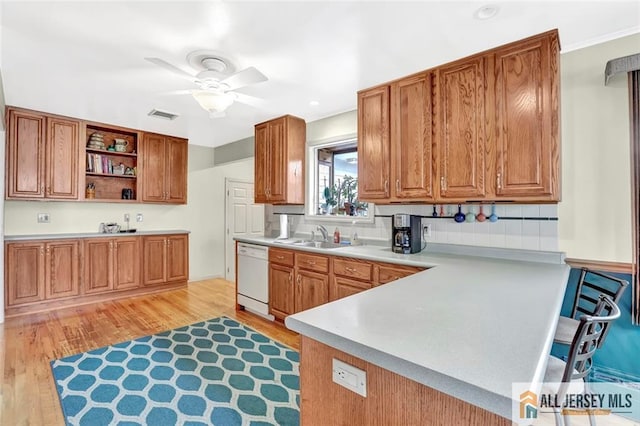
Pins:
x,y
330,200
348,190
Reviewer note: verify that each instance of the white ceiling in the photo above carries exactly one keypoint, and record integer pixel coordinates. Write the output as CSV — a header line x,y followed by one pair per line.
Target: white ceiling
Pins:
x,y
86,59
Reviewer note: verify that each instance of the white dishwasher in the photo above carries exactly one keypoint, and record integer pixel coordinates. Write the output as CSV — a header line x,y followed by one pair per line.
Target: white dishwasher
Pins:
x,y
253,278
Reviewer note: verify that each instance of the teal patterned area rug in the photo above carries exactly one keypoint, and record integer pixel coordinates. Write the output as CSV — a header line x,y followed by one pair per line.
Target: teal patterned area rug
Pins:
x,y
215,372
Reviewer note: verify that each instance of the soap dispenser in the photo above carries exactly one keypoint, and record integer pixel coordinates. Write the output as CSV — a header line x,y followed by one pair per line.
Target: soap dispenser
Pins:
x,y
336,236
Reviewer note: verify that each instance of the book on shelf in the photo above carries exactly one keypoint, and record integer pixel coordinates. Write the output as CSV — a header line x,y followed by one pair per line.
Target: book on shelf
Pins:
x,y
97,163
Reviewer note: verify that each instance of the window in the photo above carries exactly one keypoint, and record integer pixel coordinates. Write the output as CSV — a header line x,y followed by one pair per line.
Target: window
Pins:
x,y
333,182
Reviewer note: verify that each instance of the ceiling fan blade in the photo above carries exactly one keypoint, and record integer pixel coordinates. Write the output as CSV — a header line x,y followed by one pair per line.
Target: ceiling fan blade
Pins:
x,y
177,92
244,78
249,100
166,65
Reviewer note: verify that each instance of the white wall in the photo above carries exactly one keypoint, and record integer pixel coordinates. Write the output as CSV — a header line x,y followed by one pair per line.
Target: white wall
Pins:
x,y
205,201
595,212
239,170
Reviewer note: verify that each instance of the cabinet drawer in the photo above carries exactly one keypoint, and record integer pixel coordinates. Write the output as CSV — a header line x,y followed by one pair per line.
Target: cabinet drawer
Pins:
x,y
388,273
312,262
281,257
352,268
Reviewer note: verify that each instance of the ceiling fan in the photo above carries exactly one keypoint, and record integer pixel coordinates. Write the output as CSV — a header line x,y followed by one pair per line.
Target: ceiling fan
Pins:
x,y
216,80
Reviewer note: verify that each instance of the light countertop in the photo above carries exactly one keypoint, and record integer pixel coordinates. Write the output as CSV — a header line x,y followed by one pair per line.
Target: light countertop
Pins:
x,y
29,237
468,327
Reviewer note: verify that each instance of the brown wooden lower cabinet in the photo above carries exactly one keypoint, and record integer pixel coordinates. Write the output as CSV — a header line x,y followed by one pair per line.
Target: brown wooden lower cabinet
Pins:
x,y
111,264
297,281
39,270
387,272
343,287
165,259
281,290
46,274
301,280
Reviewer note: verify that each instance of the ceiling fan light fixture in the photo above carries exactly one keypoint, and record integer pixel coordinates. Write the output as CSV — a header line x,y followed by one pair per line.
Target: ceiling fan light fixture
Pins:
x,y
213,102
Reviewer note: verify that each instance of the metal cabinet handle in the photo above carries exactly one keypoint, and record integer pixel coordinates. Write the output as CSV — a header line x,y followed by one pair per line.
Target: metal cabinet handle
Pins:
x,y
443,183
298,279
280,257
499,181
352,270
243,251
310,262
386,187
290,277
397,185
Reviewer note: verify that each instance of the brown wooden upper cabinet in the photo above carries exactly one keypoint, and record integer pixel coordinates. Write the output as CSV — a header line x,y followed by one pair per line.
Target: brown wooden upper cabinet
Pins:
x,y
460,129
395,141
373,144
279,161
495,133
526,108
164,169
41,156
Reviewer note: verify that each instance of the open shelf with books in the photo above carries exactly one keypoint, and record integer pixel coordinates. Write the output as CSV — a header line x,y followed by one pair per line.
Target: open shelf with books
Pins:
x,y
111,163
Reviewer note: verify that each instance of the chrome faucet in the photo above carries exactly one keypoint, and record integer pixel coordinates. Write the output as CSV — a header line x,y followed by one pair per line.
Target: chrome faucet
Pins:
x,y
324,232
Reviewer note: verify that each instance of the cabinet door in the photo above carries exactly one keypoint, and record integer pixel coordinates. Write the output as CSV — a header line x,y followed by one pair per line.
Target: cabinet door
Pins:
x,y
343,287
126,267
527,134
373,144
281,291
24,273
176,170
461,129
411,139
177,258
153,164
154,254
98,265
388,273
260,167
25,157
62,269
312,289
277,161
62,158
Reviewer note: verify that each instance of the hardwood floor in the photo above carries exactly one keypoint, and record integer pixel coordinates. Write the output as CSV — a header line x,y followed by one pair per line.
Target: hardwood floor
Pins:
x,y
29,342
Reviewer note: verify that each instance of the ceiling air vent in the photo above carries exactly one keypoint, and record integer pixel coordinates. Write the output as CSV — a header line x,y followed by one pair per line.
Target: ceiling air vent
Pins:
x,y
163,114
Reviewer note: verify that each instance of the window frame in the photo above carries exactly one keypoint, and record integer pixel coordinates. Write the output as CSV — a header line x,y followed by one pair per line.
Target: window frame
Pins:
x,y
310,207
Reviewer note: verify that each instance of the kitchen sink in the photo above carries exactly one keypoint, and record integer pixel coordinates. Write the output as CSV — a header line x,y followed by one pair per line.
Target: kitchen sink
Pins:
x,y
320,244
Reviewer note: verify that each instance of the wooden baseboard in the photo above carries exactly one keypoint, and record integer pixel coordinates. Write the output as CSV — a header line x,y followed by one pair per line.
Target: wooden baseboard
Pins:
x,y
49,305
598,265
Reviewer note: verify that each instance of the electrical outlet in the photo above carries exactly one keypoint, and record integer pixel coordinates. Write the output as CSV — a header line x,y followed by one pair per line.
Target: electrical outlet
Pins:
x,y
350,377
126,217
139,217
43,218
426,230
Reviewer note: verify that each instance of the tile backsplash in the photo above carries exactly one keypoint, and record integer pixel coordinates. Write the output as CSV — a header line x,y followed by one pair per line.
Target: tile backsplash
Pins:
x,y
521,226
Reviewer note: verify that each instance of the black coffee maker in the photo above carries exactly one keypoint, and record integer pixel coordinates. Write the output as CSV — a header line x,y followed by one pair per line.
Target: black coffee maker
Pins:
x,y
406,234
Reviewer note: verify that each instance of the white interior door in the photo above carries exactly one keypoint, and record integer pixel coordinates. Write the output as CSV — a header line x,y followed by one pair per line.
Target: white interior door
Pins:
x,y
242,218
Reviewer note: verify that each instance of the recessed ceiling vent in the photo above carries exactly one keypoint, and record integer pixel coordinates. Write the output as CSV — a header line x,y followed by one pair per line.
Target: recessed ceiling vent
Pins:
x,y
163,114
